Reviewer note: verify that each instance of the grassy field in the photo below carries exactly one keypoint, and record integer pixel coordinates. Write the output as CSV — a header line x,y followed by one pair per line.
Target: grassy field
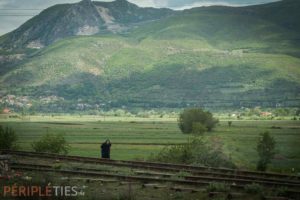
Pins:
x,y
138,138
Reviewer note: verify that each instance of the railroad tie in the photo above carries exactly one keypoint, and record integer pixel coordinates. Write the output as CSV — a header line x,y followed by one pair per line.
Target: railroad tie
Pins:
x,y
182,189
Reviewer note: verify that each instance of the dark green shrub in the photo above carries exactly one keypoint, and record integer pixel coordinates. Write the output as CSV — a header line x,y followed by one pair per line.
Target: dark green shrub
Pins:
x,y
192,116
266,151
229,123
8,138
175,154
51,144
297,112
198,128
196,152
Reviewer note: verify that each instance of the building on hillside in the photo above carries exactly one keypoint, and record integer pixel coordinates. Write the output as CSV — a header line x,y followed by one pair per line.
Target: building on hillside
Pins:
x,y
265,114
5,111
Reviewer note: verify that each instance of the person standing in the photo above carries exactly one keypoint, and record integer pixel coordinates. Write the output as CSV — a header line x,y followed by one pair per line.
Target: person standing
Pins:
x,y
105,149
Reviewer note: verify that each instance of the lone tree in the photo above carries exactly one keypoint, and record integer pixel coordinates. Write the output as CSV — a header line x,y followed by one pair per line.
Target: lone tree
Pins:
x,y
196,120
298,112
8,138
266,151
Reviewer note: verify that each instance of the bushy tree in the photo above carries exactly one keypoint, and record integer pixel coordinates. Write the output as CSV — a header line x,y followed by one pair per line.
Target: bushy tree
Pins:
x,y
51,143
8,138
198,128
229,123
198,152
266,151
189,117
297,113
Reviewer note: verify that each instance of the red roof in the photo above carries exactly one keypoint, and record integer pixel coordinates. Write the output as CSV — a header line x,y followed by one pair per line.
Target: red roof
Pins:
x,y
5,111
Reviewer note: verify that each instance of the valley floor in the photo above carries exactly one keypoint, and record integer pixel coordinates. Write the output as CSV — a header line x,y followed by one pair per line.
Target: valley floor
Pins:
x,y
140,138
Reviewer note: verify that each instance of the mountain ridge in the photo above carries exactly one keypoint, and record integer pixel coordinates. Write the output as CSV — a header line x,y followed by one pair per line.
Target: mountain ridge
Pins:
x,y
83,18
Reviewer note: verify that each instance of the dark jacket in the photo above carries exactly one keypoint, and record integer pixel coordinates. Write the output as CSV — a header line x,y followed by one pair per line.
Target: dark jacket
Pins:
x,y
105,150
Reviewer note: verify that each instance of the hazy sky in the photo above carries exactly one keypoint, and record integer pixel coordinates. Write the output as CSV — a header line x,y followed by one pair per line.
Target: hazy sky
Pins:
x,y
9,9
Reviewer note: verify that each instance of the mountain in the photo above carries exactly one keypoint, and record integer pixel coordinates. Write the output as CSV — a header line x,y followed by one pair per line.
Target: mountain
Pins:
x,y
215,57
287,14
83,18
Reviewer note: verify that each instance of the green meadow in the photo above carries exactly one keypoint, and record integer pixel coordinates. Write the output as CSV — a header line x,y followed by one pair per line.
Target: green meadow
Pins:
x,y
141,138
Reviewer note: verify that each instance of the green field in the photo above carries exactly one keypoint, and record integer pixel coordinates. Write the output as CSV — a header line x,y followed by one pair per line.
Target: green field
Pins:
x,y
138,138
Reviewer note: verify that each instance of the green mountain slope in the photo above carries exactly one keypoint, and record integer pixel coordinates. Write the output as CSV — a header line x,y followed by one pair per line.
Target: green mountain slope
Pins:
x,y
216,57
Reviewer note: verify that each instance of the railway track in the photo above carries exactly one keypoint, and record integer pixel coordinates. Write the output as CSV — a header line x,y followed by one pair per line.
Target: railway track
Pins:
x,y
202,180
143,179
161,166
198,174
